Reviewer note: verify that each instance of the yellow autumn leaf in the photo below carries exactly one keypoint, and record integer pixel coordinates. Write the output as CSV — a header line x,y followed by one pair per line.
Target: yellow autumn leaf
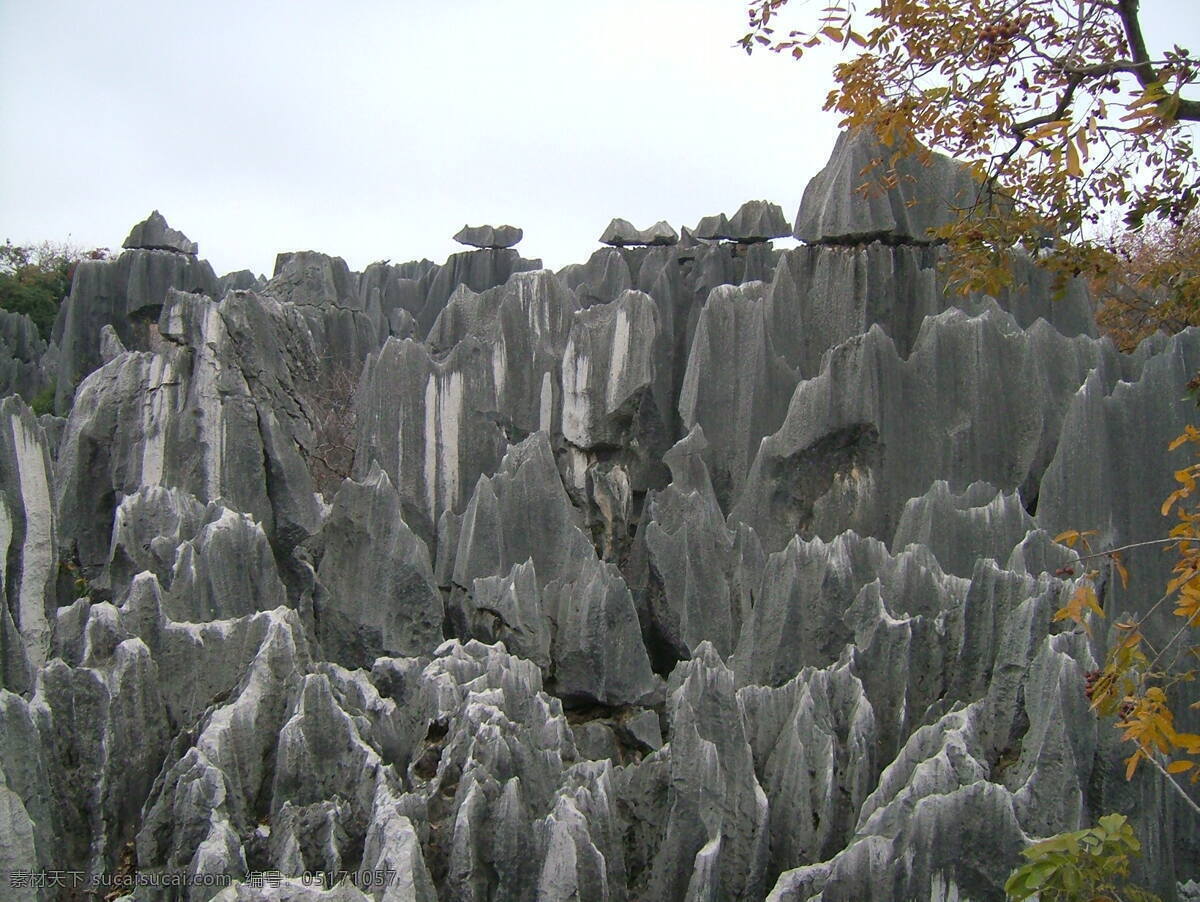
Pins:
x,y
1068,537
1180,767
1169,503
1189,742
1189,434
1189,608
1131,764
1081,141
1074,168
1186,577
1122,571
1082,599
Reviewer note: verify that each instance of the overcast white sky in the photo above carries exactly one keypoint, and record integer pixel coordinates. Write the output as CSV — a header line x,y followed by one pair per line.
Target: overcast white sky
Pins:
x,y
375,129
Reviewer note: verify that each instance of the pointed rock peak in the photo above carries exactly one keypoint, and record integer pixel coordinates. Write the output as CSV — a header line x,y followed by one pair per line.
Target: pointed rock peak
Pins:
x,y
835,209
713,228
486,236
686,460
153,234
377,477
705,654
463,296
757,221
622,233
534,448
111,346
662,233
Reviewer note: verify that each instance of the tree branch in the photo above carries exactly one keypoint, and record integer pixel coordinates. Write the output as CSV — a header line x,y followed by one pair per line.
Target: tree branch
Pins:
x,y
1175,786
1128,12
1189,110
1109,68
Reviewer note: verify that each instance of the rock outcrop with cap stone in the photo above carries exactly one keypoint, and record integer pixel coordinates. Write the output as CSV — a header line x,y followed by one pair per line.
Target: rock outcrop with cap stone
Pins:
x,y
925,195
622,233
489,236
758,220
153,234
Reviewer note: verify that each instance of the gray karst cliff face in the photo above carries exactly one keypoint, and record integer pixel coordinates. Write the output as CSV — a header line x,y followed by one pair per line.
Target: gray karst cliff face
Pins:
x,y
698,570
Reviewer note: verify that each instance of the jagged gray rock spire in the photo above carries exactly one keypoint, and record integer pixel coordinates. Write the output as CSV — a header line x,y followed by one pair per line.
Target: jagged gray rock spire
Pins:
x,y
216,413
153,234
837,208
28,546
487,236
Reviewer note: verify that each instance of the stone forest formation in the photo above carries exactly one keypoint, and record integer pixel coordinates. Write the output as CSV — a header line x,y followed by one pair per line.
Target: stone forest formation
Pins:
x,y
699,570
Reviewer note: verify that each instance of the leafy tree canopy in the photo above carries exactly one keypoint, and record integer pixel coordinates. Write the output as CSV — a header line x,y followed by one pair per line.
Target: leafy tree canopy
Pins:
x,y
35,279
1059,107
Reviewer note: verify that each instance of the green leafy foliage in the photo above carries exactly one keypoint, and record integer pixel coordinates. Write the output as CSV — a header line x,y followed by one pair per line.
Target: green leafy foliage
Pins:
x,y
1083,866
43,401
34,280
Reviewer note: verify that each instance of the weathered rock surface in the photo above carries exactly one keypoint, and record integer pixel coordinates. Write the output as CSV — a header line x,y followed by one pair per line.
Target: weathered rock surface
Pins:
x,y
326,292
735,385
242,280
823,295
601,280
961,528
717,839
520,526
377,593
686,568
394,297
713,228
478,270
1091,484
446,434
227,570
526,322
149,526
607,375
